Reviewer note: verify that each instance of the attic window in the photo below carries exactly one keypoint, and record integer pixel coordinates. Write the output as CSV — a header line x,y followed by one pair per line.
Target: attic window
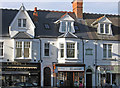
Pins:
x,y
46,26
66,26
21,22
105,28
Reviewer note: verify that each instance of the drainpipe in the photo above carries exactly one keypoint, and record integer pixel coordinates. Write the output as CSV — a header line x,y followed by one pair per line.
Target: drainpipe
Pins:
x,y
96,63
83,48
40,62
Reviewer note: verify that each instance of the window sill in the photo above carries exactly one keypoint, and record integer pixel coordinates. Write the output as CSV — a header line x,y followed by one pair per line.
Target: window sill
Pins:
x,y
23,58
1,57
109,59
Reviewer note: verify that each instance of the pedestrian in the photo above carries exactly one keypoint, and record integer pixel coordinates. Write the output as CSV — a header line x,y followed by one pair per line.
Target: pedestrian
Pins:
x,y
80,85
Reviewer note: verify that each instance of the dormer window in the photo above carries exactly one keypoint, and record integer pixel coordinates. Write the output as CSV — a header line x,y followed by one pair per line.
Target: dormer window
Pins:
x,y
105,28
21,22
66,26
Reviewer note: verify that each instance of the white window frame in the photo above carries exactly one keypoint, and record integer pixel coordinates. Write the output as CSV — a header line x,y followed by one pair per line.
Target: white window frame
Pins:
x,y
2,48
30,50
44,49
22,23
67,28
63,50
107,51
104,28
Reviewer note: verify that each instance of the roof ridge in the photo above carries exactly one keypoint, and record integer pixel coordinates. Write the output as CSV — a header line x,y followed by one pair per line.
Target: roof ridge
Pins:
x,y
56,11
100,14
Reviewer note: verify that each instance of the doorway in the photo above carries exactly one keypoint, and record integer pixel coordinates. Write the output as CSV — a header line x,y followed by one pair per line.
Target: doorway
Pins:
x,y
89,78
47,76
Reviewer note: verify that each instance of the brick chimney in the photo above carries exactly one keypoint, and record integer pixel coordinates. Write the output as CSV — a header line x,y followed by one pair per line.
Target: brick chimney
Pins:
x,y
35,15
78,8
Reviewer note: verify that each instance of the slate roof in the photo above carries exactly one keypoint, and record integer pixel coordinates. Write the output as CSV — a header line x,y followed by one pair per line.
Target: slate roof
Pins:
x,y
22,35
85,29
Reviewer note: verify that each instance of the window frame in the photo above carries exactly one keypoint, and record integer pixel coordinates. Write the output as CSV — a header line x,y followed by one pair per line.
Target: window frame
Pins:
x,y
44,49
2,49
22,22
23,48
70,49
107,50
62,49
104,28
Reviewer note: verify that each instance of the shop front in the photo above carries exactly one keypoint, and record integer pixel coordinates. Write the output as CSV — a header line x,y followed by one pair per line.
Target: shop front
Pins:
x,y
109,75
14,72
69,75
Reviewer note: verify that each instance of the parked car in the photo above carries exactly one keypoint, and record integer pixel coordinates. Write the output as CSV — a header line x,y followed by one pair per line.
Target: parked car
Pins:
x,y
25,85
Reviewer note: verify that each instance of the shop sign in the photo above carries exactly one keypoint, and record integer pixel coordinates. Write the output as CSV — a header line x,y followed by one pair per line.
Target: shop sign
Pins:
x,y
70,68
111,69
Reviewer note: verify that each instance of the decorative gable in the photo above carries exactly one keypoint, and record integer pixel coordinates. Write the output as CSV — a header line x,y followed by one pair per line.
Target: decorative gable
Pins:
x,y
103,25
66,24
22,23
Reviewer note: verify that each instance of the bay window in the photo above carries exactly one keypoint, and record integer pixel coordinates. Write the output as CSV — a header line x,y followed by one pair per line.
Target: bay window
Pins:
x,y
70,50
61,50
1,48
22,49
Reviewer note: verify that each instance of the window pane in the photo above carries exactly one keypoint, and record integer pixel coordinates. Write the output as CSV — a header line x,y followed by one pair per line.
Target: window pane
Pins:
x,y
70,50
104,50
24,22
26,49
77,50
69,26
106,28
61,50
109,50
18,49
46,50
63,26
1,48
102,28
19,22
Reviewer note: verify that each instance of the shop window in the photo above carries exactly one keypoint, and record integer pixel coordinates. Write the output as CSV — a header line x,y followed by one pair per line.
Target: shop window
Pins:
x,y
107,50
22,49
70,50
1,48
46,49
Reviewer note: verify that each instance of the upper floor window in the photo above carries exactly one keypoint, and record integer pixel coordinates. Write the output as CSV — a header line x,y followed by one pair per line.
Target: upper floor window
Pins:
x,y
70,50
105,28
1,48
61,50
21,22
66,26
107,50
46,49
22,49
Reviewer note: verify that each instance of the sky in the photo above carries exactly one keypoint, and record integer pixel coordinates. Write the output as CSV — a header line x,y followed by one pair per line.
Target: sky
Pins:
x,y
89,6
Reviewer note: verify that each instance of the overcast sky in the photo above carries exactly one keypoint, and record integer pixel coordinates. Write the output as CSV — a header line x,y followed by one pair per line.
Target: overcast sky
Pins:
x,y
91,6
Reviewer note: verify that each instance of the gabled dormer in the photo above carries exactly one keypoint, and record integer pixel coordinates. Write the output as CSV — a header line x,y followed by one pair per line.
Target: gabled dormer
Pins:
x,y
103,25
22,23
66,24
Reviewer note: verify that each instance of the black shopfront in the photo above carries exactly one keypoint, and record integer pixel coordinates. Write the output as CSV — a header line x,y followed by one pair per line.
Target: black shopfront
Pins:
x,y
13,72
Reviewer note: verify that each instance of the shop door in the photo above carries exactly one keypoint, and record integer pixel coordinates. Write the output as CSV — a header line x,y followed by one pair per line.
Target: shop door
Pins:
x,y
47,76
89,78
70,79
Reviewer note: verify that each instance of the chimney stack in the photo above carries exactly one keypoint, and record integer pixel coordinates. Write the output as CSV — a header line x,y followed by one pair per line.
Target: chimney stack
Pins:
x,y
78,8
35,15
